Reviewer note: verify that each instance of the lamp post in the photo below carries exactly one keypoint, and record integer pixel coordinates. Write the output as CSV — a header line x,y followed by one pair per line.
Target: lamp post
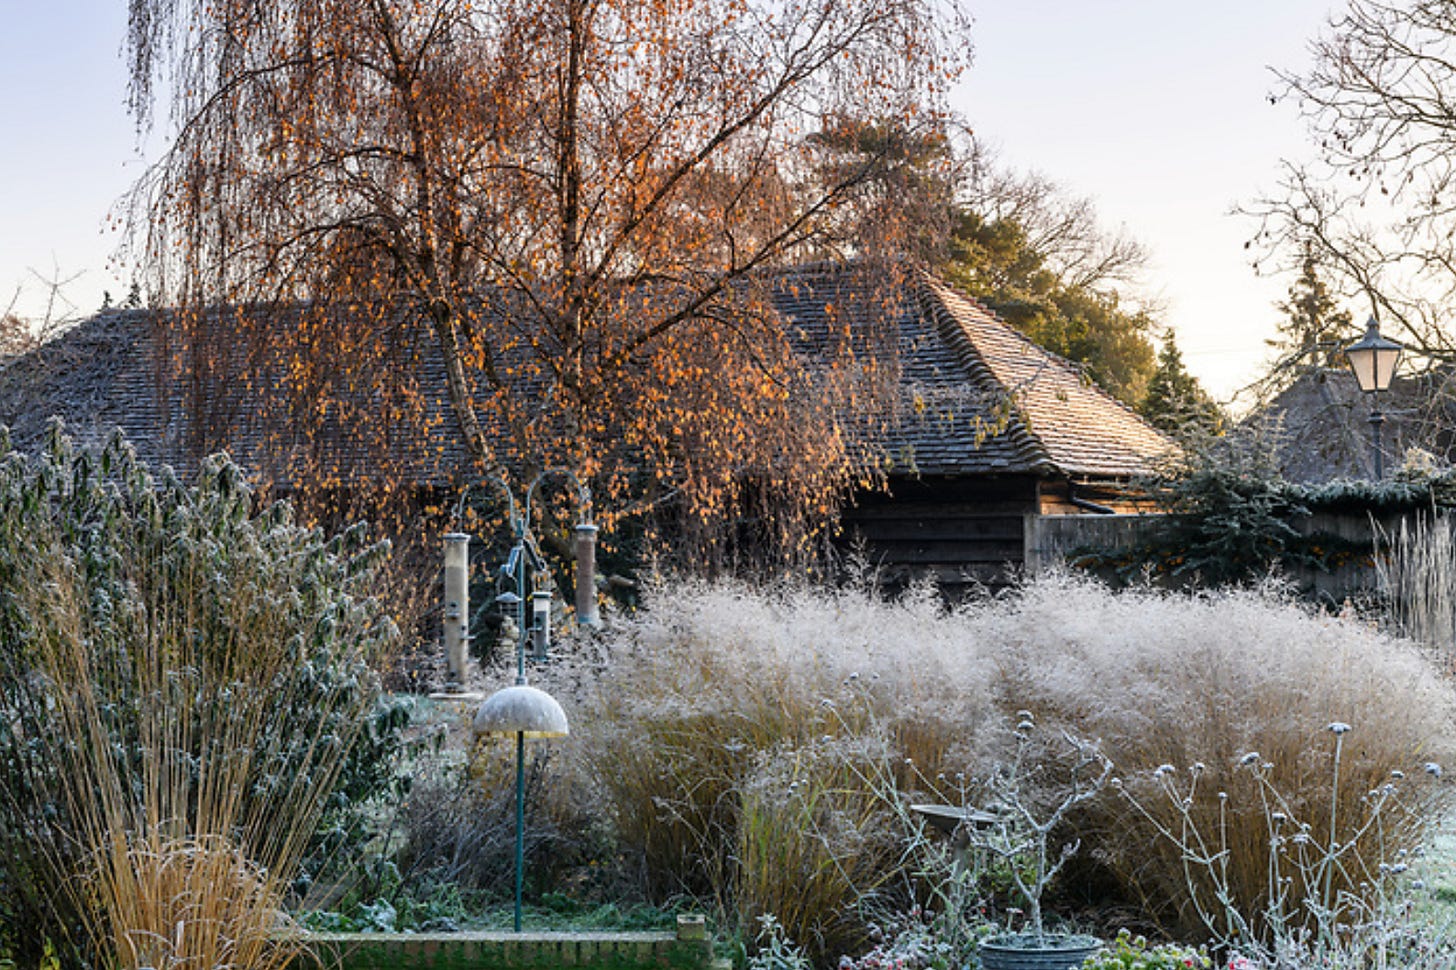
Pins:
x,y
1372,360
521,711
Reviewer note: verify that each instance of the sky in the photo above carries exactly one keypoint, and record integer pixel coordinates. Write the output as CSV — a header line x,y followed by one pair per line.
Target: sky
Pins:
x,y
1157,110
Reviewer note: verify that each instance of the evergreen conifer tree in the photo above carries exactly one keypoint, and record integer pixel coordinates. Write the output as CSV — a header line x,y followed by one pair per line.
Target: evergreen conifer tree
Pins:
x,y
1315,330
1175,402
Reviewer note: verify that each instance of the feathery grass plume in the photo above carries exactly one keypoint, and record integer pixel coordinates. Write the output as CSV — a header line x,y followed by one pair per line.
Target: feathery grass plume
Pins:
x,y
183,681
715,701
708,683
1418,578
714,677
1195,683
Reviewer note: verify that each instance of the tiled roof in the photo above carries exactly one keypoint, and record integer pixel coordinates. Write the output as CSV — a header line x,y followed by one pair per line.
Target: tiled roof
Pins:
x,y
1078,427
974,396
97,376
118,370
1320,432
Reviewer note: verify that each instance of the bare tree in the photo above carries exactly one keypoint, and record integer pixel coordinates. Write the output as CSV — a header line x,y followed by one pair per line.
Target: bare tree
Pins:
x,y
21,333
1063,228
1377,205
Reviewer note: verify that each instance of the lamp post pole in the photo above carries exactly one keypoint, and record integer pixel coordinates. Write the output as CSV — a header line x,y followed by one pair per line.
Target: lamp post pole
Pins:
x,y
521,635
1376,420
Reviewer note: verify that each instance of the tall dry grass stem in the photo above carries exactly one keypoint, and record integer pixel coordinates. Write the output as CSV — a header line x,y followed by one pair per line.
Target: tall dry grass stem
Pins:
x,y
1417,575
1337,889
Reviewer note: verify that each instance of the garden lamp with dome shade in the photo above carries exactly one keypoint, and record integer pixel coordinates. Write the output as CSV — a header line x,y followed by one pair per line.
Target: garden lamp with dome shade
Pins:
x,y
1373,359
522,711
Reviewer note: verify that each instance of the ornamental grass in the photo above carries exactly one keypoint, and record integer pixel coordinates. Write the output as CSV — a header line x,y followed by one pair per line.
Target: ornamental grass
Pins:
x,y
185,695
740,738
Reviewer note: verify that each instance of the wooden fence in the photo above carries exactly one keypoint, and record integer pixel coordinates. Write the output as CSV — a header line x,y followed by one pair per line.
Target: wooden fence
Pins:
x,y
1052,539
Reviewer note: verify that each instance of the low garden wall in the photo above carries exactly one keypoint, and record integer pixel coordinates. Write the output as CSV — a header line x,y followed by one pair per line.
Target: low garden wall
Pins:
x,y
688,949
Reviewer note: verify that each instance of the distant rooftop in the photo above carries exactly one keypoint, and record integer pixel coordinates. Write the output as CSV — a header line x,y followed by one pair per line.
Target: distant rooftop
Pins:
x,y
1320,425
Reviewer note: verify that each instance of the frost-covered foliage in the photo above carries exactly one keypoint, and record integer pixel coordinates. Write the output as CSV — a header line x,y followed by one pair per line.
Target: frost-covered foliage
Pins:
x,y
1337,888
1232,518
1128,952
716,692
1203,680
185,692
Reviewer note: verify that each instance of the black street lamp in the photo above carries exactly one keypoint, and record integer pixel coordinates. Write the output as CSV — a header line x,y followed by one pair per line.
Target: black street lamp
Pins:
x,y
1372,360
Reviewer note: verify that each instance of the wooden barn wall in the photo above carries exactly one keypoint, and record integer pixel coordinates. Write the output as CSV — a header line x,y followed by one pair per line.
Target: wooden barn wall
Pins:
x,y
956,531
1051,539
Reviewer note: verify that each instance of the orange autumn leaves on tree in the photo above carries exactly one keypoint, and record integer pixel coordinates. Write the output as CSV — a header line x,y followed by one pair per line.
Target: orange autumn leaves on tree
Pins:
x,y
567,211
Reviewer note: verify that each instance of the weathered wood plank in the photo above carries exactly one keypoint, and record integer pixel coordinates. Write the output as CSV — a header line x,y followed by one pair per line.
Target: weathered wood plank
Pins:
x,y
919,551
999,527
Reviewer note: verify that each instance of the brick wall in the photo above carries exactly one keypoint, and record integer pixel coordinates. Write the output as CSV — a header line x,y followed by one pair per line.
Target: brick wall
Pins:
x,y
687,949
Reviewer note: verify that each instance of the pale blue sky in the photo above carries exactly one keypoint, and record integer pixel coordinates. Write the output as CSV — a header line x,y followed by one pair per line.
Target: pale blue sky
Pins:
x,y
1154,108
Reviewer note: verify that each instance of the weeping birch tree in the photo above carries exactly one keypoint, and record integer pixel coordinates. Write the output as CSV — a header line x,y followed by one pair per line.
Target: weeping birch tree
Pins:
x,y
566,208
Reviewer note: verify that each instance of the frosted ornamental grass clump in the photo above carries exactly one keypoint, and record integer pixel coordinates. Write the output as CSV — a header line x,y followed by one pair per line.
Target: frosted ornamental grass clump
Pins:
x,y
711,679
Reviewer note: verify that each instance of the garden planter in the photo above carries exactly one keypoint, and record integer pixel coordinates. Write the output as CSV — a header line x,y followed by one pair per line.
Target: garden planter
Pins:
x,y
1056,953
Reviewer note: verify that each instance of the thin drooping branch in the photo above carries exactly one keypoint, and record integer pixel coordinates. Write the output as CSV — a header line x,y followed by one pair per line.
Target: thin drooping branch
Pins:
x,y
578,200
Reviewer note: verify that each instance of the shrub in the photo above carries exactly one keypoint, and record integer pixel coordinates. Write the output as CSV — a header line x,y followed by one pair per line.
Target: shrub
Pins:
x,y
1232,519
457,827
697,694
1129,952
185,694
